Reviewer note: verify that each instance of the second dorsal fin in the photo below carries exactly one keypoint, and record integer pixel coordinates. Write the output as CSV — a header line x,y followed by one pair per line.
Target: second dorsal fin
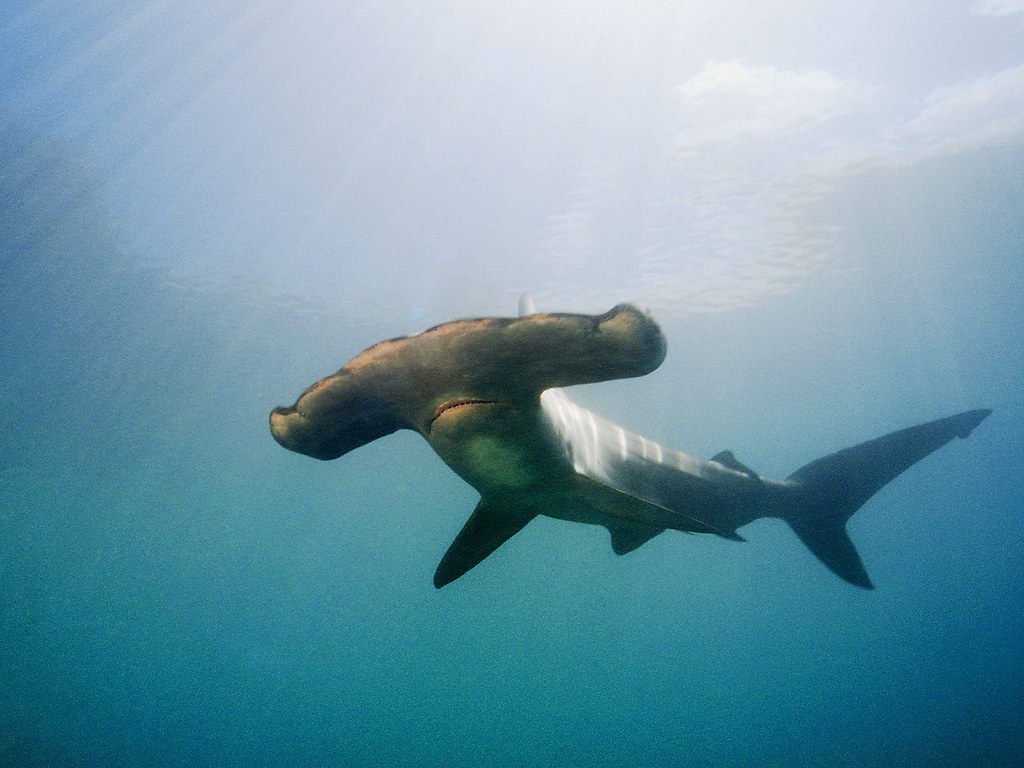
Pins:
x,y
727,459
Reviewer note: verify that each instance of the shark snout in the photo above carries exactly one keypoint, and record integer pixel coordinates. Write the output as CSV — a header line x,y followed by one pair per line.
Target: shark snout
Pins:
x,y
295,432
326,425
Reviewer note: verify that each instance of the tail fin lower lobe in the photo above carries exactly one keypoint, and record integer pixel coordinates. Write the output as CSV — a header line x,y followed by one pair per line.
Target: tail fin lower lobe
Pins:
x,y
826,492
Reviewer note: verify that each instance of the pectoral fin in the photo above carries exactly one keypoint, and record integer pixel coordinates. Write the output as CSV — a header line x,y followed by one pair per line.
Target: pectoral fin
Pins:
x,y
490,526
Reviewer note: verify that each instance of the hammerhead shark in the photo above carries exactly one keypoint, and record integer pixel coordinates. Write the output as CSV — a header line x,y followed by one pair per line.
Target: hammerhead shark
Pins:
x,y
486,395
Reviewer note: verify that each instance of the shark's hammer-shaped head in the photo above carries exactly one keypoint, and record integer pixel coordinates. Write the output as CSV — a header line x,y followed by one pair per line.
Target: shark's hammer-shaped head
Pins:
x,y
455,369
334,416
369,398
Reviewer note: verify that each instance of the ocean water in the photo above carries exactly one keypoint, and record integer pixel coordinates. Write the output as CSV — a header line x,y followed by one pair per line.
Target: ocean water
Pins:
x,y
206,207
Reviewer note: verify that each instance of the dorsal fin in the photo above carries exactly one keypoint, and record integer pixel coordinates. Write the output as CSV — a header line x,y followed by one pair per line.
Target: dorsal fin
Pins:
x,y
526,306
727,459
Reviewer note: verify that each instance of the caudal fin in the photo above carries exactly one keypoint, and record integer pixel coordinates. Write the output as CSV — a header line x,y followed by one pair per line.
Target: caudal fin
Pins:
x,y
825,493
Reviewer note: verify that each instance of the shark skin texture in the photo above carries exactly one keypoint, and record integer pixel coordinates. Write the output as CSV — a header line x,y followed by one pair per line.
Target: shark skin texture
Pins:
x,y
486,395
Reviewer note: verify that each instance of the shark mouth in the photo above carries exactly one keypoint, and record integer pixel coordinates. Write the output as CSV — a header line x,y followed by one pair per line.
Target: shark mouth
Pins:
x,y
452,405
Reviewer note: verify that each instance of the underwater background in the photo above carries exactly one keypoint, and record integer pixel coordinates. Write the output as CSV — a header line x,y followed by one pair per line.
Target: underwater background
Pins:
x,y
205,207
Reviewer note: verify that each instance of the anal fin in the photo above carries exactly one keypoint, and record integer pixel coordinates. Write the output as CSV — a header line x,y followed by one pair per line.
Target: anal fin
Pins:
x,y
490,526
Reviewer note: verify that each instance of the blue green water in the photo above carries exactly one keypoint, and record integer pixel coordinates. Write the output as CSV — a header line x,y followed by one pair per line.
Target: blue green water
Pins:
x,y
206,209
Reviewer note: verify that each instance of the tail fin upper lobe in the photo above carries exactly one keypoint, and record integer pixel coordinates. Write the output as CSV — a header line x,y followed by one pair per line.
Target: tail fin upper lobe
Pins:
x,y
825,493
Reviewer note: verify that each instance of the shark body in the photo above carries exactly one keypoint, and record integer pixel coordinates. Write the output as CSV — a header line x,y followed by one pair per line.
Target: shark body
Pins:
x,y
486,395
